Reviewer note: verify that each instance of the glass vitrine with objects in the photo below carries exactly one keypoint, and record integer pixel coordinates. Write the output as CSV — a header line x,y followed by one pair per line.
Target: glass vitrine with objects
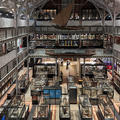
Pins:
x,y
64,109
85,108
104,108
42,112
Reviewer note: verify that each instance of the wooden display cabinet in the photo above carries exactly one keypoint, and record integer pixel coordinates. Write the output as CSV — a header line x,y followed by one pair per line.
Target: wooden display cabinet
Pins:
x,y
104,108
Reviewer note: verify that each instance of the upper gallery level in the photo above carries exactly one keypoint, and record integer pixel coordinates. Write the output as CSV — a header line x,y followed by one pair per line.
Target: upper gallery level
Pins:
x,y
48,23
77,13
10,23
60,13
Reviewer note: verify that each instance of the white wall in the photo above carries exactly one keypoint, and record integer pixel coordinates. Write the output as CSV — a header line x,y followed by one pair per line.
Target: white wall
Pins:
x,y
6,22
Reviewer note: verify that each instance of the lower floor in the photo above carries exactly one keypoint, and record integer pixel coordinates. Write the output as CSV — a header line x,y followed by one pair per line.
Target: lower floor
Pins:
x,y
87,92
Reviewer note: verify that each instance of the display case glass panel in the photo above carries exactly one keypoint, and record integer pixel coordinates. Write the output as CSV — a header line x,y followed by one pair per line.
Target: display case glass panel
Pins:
x,y
85,108
64,108
105,108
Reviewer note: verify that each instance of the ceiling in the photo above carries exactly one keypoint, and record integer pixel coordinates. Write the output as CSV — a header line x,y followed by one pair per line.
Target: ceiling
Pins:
x,y
28,6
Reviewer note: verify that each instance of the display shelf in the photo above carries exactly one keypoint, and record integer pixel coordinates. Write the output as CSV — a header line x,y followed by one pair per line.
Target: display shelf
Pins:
x,y
70,40
91,43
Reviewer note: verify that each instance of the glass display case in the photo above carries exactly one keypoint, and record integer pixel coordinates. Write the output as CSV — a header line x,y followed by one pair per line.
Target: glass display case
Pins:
x,y
17,113
39,82
72,90
70,81
94,89
24,83
64,109
14,109
92,93
107,89
42,112
85,108
36,89
4,106
37,86
105,110
94,70
94,82
45,68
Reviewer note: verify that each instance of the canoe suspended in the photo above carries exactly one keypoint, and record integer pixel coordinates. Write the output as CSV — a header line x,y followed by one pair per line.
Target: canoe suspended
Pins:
x,y
61,19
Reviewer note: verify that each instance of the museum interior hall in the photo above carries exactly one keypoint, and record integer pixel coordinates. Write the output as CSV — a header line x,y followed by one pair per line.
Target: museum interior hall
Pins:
x,y
59,59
